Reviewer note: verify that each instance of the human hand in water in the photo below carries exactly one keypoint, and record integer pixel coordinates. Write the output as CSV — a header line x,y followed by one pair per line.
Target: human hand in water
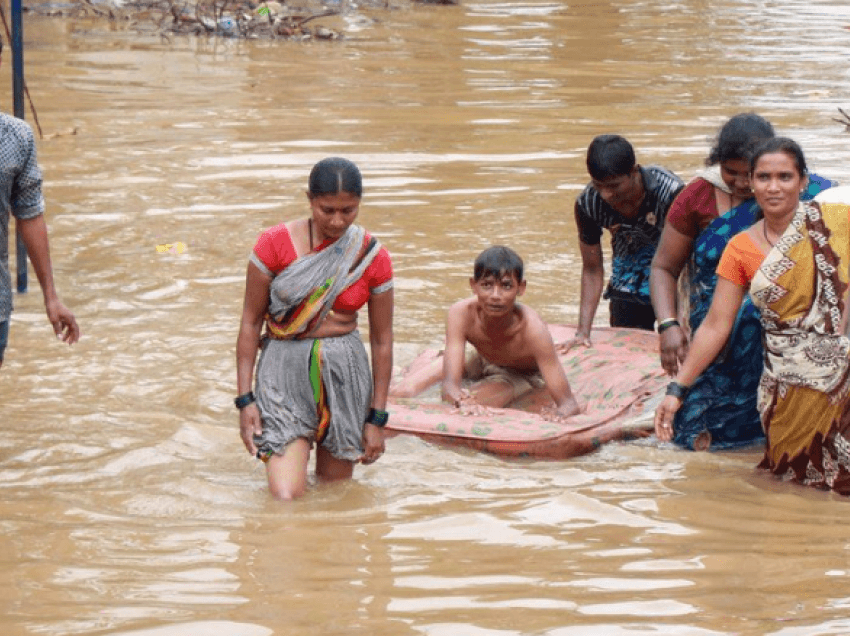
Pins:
x,y
664,415
673,347
373,444
250,425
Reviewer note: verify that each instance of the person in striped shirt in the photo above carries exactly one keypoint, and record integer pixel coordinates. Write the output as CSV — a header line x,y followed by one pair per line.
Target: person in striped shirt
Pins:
x,y
631,202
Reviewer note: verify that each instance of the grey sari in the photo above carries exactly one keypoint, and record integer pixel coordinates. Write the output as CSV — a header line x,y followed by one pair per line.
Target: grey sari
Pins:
x,y
318,389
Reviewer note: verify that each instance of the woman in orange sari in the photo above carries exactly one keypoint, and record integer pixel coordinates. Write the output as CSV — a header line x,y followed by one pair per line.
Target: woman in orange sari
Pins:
x,y
794,263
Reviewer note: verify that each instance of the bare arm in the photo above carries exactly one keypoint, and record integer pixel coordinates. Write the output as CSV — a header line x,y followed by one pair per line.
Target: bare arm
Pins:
x,y
253,313
381,343
707,343
592,279
453,354
34,234
552,371
670,258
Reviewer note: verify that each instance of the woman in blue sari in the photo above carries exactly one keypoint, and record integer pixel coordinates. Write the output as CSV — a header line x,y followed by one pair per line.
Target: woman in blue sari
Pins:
x,y
720,409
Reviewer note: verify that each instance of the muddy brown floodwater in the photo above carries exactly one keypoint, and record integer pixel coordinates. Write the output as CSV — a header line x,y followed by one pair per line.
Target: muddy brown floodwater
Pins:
x,y
129,505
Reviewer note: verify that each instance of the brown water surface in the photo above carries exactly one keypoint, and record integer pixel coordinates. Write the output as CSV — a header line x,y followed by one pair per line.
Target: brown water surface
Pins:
x,y
128,503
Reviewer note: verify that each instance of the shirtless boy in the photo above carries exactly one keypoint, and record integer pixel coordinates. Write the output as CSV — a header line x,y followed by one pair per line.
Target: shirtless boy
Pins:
x,y
513,349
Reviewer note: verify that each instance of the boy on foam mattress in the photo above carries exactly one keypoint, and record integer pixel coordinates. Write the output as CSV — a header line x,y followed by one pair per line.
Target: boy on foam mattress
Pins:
x,y
513,352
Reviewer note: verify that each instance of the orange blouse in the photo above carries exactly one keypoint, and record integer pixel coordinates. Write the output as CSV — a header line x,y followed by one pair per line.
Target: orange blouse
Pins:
x,y
740,260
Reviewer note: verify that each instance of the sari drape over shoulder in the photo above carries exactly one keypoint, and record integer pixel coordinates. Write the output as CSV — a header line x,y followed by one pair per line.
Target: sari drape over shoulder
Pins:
x,y
318,389
303,293
721,409
804,393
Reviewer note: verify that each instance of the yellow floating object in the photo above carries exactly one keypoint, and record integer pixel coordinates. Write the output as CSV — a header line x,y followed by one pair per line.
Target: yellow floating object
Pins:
x,y
177,248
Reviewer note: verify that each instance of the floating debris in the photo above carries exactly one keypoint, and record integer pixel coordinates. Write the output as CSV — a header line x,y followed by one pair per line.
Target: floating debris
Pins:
x,y
62,133
845,119
176,248
222,18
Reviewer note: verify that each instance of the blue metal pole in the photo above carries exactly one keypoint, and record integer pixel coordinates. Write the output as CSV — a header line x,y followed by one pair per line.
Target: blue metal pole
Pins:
x,y
18,92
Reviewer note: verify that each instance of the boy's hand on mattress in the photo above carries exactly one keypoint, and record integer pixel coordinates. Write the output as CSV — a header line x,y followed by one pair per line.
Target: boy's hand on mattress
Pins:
x,y
476,410
466,404
250,425
551,414
562,415
373,444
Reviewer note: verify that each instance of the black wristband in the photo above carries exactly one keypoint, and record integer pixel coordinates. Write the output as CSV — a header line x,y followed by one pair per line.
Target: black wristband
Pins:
x,y
244,400
377,417
677,390
664,325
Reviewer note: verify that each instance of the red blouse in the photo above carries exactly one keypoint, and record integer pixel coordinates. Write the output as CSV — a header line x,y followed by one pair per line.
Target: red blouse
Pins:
x,y
693,209
275,250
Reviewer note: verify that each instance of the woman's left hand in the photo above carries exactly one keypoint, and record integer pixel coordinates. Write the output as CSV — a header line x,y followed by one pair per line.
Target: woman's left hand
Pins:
x,y
664,415
373,442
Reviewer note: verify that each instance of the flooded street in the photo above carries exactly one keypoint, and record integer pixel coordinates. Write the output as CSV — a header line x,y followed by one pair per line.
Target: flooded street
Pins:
x,y
128,504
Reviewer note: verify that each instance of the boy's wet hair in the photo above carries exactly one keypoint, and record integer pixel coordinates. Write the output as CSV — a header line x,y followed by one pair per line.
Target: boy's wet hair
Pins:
x,y
610,156
497,261
335,175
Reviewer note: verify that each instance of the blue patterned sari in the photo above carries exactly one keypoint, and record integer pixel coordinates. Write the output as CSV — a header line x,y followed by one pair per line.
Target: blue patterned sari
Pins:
x,y
720,409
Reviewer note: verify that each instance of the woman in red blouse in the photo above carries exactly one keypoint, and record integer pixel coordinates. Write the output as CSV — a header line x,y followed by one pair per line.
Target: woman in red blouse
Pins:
x,y
306,280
